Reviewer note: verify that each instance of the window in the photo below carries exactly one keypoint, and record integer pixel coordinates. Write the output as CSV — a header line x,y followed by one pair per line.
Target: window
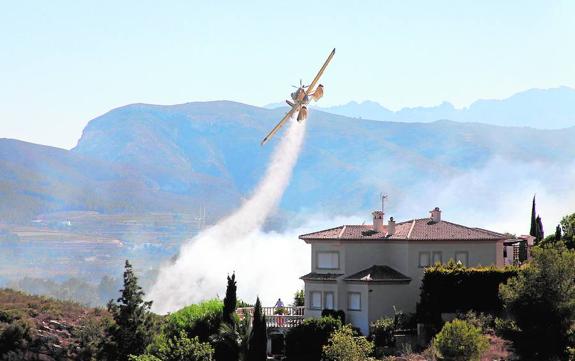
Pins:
x,y
315,300
328,260
354,301
424,260
437,257
463,257
328,301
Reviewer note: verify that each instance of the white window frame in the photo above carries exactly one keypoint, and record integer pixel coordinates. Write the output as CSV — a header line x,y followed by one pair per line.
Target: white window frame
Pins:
x,y
464,253
434,259
349,295
317,256
325,296
420,264
311,304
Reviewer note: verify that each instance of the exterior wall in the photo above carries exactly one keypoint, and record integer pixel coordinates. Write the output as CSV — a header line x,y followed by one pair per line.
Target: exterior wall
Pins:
x,y
328,247
315,286
359,318
384,297
400,255
361,255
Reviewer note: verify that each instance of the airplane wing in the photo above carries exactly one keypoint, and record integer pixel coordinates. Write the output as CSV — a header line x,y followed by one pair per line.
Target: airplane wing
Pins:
x,y
316,79
280,124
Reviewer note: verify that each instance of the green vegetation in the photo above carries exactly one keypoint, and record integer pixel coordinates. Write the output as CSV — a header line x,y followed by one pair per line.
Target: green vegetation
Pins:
x,y
459,340
61,323
454,288
541,300
177,348
339,314
257,343
305,342
382,332
564,233
536,229
134,327
201,320
299,299
230,301
345,346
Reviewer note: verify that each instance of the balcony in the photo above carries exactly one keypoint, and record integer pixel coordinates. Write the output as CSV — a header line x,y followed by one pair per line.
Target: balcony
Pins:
x,y
276,318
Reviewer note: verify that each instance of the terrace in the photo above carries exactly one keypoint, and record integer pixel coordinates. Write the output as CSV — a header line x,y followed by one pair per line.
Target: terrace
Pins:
x,y
276,317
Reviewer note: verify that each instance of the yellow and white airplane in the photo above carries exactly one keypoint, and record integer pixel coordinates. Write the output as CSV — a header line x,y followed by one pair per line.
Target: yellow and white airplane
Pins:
x,y
301,98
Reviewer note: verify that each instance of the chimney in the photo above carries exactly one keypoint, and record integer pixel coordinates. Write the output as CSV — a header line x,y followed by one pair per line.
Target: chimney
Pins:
x,y
390,227
435,215
378,221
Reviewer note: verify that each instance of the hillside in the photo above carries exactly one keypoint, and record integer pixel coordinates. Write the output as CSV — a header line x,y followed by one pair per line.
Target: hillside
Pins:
x,y
146,158
41,328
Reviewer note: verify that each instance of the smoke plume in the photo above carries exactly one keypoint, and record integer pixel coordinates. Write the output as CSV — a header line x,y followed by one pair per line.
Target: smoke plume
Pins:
x,y
237,244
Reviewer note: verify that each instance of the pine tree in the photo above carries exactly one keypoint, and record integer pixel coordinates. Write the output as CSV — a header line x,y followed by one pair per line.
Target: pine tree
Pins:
x,y
230,301
257,344
533,230
134,326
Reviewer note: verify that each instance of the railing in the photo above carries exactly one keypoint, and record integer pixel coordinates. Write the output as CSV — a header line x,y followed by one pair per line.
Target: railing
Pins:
x,y
276,317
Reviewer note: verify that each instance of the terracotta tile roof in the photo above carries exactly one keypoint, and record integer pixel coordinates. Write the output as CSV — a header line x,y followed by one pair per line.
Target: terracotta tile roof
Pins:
x,y
377,273
314,276
422,229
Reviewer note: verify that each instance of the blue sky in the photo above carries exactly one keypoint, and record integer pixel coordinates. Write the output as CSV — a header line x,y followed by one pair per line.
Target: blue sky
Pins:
x,y
63,63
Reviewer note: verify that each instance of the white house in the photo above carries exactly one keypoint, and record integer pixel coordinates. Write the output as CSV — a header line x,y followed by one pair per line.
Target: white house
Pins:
x,y
366,270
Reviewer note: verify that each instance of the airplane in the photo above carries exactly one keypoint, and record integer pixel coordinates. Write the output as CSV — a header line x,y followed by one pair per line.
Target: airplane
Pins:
x,y
301,98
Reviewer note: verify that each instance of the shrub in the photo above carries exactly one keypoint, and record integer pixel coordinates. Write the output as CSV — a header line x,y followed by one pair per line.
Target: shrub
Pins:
x,y
305,342
485,322
201,320
458,289
338,315
382,332
177,348
459,340
343,346
16,336
404,321
541,300
91,339
505,328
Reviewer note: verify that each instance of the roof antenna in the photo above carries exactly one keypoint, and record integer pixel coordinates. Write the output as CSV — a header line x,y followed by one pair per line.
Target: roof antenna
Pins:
x,y
383,198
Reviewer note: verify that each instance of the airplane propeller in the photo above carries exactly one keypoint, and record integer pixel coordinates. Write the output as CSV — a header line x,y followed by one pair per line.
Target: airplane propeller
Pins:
x,y
300,85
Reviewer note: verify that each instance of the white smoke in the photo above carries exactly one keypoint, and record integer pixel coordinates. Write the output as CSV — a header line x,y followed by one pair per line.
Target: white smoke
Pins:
x,y
495,196
237,244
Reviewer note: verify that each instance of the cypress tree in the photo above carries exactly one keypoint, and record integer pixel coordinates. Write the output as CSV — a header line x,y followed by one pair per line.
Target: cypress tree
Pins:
x,y
230,301
134,326
558,233
257,344
539,233
533,230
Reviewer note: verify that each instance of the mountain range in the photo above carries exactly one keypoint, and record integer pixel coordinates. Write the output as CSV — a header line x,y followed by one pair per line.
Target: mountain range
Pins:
x,y
537,108
144,158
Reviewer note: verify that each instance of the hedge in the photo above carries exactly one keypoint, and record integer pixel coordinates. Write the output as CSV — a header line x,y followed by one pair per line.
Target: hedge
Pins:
x,y
305,342
452,288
